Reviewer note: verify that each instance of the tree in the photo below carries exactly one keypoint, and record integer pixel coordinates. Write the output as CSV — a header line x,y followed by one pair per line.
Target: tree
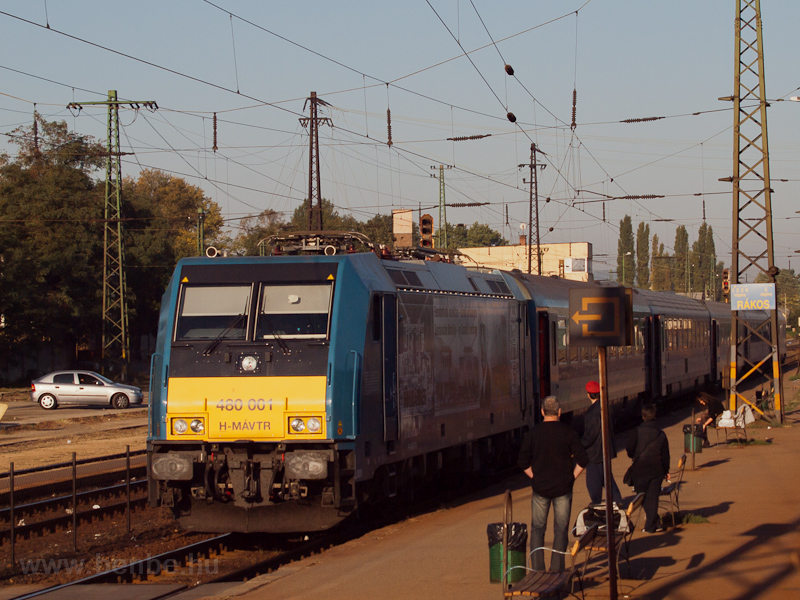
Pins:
x,y
625,251
703,259
253,230
50,238
680,271
643,256
331,219
476,235
660,280
787,287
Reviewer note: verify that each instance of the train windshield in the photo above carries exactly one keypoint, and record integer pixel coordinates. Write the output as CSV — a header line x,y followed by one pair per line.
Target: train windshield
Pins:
x,y
294,311
213,312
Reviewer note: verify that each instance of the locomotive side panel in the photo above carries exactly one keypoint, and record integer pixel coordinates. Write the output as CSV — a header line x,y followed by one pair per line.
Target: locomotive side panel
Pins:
x,y
458,356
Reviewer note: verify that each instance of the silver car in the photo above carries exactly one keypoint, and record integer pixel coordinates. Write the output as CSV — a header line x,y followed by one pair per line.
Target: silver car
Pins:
x,y
82,387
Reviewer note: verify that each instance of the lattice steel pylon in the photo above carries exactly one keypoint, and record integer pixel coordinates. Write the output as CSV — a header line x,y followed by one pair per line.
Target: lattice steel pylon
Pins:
x,y
314,205
442,233
116,343
752,251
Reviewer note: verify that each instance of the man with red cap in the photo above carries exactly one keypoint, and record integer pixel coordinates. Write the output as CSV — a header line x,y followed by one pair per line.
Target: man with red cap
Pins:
x,y
592,440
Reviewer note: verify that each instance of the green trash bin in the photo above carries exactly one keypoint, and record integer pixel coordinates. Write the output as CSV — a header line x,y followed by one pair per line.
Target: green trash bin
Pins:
x,y
517,545
693,440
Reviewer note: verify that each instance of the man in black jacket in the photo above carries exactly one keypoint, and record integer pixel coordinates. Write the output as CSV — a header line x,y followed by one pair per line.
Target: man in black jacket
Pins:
x,y
592,440
553,457
649,449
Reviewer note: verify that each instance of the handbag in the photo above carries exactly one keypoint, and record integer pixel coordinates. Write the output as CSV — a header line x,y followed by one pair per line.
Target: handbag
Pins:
x,y
595,514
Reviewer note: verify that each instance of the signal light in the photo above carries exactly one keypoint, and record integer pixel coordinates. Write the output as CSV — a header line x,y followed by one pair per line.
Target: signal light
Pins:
x,y
426,231
726,284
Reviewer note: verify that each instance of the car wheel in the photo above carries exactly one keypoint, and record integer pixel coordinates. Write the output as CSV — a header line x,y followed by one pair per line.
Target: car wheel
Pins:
x,y
120,401
48,401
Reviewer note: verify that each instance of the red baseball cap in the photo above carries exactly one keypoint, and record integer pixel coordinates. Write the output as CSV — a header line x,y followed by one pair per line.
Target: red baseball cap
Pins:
x,y
592,387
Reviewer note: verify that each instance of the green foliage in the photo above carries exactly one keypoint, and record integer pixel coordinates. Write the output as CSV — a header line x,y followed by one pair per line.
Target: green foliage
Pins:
x,y
626,271
688,518
680,266
643,256
50,237
706,274
476,235
660,280
787,285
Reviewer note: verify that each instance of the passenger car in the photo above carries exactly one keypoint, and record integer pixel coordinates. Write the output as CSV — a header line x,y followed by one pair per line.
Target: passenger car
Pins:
x,y
82,387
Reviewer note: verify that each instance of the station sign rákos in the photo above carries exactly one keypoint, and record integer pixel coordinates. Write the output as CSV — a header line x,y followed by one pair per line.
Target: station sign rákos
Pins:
x,y
601,316
753,296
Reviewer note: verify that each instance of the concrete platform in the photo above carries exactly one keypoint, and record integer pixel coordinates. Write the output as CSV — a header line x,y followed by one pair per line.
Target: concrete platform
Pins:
x,y
749,548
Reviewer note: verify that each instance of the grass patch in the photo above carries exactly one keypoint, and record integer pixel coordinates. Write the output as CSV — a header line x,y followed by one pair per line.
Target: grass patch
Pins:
x,y
688,518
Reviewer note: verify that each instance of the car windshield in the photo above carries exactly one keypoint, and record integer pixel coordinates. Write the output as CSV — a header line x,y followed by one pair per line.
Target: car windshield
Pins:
x,y
103,379
212,312
294,311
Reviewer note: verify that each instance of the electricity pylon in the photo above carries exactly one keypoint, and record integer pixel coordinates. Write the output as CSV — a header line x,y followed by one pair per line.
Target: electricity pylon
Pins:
x,y
752,205
116,343
314,206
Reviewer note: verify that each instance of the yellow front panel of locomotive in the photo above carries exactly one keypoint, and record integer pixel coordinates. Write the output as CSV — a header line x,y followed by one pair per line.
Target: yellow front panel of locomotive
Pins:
x,y
252,408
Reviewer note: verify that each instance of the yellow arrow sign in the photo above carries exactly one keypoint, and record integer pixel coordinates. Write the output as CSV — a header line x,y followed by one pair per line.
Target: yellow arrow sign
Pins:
x,y
580,317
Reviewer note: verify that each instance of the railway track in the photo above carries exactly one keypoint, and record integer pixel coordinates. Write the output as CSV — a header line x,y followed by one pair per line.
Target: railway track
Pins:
x,y
49,499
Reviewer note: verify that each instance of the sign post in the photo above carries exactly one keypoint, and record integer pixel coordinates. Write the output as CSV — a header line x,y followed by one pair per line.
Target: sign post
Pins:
x,y
600,317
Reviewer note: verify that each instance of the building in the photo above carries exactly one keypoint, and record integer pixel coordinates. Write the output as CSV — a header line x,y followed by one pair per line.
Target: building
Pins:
x,y
571,260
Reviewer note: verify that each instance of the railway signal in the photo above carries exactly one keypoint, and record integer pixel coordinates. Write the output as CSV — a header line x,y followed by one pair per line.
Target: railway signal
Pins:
x,y
726,282
426,230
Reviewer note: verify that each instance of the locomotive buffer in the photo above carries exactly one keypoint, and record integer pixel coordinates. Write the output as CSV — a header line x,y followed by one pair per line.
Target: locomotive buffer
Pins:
x,y
599,318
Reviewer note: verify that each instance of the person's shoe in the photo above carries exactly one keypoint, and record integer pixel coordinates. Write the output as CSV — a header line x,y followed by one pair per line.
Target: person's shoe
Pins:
x,y
659,529
706,444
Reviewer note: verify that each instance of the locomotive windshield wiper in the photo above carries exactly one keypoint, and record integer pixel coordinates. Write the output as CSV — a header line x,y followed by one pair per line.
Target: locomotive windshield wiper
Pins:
x,y
215,342
283,346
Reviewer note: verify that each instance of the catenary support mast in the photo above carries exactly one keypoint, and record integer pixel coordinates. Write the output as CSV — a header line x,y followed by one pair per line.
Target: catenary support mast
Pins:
x,y
752,242
116,343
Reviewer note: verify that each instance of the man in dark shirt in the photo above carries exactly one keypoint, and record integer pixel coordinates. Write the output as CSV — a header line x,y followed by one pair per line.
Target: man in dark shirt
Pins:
x,y
553,457
649,449
592,440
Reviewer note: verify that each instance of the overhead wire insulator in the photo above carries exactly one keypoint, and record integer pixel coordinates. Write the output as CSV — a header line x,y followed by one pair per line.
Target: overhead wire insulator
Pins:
x,y
574,108
465,138
642,120
511,117
510,70
389,126
214,147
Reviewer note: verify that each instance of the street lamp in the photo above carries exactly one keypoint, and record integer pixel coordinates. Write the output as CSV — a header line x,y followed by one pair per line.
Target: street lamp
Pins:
x,y
624,260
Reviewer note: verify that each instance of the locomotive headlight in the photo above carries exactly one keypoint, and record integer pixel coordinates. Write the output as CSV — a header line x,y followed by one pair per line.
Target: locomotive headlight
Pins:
x,y
197,426
249,363
179,426
297,425
314,425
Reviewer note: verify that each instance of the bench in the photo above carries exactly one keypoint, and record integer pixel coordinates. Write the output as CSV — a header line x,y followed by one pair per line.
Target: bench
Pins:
x,y
736,422
672,491
538,584
622,536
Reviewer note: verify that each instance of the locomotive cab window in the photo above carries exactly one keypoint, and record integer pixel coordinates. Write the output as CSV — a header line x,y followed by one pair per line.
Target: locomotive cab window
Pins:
x,y
211,312
294,311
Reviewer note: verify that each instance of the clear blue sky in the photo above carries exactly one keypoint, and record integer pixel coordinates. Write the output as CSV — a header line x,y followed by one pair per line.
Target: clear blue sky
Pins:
x,y
626,59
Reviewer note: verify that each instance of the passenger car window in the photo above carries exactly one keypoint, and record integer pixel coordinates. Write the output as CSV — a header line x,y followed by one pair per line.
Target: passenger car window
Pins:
x,y
210,312
64,378
86,379
294,311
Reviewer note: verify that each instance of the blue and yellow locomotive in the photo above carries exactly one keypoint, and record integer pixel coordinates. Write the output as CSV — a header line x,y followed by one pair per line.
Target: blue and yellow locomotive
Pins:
x,y
288,390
